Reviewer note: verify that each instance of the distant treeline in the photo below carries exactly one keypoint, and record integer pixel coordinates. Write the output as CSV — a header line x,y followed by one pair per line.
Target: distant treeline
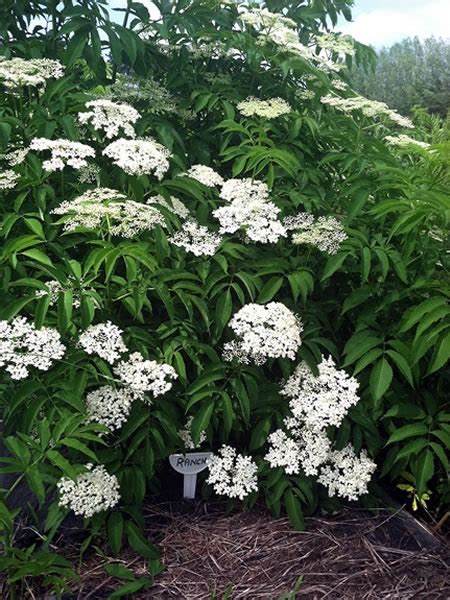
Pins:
x,y
409,73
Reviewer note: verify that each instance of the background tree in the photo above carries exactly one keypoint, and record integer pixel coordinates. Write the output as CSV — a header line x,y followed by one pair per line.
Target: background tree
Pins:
x,y
409,73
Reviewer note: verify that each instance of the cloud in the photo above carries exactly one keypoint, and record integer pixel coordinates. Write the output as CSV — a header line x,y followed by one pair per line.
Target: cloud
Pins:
x,y
385,26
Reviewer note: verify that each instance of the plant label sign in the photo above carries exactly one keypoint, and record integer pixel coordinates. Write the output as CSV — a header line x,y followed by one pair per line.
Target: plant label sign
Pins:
x,y
189,465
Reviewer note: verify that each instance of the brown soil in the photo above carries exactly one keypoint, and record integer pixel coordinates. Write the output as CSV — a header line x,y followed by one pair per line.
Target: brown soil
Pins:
x,y
354,555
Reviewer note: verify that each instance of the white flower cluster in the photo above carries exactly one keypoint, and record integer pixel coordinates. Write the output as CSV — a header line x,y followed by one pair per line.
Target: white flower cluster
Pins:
x,y
339,84
139,157
263,19
232,474
23,346
369,108
347,475
197,239
63,152
335,43
103,339
317,402
249,209
307,449
8,179
89,174
54,288
186,436
405,140
278,29
175,206
110,117
110,406
205,175
17,72
322,400
143,375
305,94
15,157
269,109
90,493
103,206
325,233
263,331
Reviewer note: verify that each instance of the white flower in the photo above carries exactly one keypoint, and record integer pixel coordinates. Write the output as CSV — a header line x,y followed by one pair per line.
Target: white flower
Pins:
x,y
8,179
325,233
23,346
103,339
110,117
108,208
175,206
264,331
186,436
232,474
305,94
306,450
91,492
18,71
250,210
336,43
284,452
346,475
369,108
15,157
262,18
89,174
269,109
139,157
322,400
338,84
197,239
204,175
54,288
244,190
145,375
110,406
63,152
405,140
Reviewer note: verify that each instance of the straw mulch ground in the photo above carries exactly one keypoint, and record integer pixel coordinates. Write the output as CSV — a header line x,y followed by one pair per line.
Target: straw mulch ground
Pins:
x,y
354,555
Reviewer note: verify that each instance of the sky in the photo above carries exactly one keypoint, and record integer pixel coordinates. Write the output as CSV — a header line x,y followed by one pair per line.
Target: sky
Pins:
x,y
384,22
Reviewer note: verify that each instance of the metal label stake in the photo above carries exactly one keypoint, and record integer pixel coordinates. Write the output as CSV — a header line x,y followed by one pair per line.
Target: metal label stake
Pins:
x,y
189,465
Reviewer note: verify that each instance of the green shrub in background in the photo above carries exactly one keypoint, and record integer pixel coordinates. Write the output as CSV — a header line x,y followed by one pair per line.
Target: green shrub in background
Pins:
x,y
236,258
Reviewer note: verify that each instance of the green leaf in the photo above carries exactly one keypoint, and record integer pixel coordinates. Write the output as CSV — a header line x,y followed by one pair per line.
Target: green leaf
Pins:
x,y
441,354
424,471
224,309
333,264
139,543
402,365
366,259
129,588
77,445
119,571
115,531
269,289
418,312
411,430
294,510
440,453
201,420
38,256
412,447
380,379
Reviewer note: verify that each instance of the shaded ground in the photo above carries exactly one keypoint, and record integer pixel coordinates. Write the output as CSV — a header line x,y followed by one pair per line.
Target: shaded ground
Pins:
x,y
354,555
